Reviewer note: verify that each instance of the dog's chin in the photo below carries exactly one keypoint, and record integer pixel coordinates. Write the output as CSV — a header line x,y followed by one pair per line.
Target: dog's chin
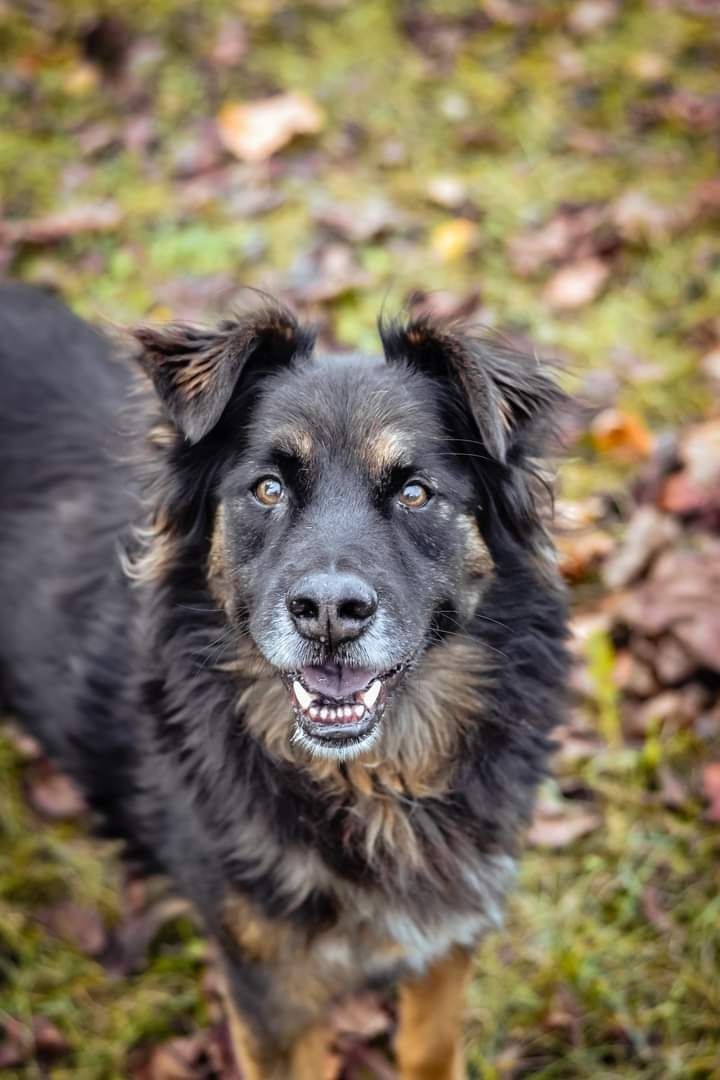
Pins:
x,y
339,710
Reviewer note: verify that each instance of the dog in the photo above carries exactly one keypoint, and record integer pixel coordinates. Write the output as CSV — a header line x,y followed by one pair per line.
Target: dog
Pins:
x,y
293,623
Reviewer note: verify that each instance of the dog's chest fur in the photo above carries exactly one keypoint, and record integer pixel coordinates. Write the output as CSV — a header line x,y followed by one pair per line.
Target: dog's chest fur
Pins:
x,y
377,934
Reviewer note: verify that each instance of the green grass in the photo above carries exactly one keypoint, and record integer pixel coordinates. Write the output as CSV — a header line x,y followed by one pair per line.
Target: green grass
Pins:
x,y
582,983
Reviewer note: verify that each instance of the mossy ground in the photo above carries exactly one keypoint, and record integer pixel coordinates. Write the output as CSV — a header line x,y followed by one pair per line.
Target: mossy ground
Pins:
x,y
583,983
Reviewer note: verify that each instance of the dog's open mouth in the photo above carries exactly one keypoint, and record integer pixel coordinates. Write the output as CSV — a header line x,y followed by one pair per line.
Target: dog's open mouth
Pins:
x,y
339,707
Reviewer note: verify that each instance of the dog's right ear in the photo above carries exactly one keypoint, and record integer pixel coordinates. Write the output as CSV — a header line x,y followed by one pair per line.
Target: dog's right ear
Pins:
x,y
195,371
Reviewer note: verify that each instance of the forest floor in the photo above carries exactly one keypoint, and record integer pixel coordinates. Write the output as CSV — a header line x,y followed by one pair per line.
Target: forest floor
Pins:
x,y
546,168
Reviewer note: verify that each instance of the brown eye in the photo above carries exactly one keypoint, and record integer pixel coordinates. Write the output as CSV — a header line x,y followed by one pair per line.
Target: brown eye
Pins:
x,y
414,495
268,491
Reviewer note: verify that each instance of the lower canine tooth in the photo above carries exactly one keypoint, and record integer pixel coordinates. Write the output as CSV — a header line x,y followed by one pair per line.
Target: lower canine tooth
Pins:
x,y
371,694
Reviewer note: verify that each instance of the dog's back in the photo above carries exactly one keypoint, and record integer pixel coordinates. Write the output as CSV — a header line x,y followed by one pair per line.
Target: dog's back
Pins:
x,y
64,502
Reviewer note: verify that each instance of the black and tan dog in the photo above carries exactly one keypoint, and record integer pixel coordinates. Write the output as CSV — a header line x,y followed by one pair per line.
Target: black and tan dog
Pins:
x,y
304,656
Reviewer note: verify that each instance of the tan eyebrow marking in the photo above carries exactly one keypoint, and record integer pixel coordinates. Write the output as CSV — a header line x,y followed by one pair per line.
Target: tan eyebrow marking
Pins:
x,y
295,441
386,450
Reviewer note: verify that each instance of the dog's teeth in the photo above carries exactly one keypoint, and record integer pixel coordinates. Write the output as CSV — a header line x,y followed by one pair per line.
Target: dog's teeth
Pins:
x,y
324,712
358,711
304,699
347,712
370,696
314,712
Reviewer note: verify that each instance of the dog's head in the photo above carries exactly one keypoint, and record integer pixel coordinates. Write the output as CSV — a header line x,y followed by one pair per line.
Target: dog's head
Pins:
x,y
355,510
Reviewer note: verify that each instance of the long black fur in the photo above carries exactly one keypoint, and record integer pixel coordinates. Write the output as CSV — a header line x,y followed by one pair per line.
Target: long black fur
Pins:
x,y
131,686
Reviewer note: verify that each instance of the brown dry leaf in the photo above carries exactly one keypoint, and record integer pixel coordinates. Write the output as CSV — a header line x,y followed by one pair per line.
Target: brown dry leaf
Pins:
x,y
557,825
711,790
90,218
576,284
653,910
454,239
132,940
648,66
22,1042
254,131
640,219
82,927
589,16
582,553
620,434
574,232
648,532
710,364
696,488
361,221
176,1059
52,793
449,192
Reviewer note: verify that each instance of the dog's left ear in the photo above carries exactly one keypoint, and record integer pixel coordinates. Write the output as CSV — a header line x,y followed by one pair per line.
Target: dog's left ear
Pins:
x,y
195,371
509,395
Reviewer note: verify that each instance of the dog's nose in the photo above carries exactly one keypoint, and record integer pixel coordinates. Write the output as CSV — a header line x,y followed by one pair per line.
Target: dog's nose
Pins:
x,y
337,607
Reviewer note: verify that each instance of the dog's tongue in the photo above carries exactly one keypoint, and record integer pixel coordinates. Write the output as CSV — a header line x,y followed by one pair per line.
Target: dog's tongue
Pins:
x,y
335,680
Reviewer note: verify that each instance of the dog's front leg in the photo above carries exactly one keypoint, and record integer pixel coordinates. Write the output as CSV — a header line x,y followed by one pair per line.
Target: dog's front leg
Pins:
x,y
283,1049
429,1039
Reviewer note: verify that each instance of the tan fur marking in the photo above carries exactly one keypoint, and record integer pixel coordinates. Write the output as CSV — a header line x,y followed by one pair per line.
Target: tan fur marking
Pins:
x,y
156,554
162,435
429,1039
295,441
304,1059
478,559
217,579
260,939
417,750
384,450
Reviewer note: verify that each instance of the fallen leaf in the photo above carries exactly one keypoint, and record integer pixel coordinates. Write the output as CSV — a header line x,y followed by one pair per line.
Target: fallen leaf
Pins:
x,y
176,1059
21,1043
648,532
654,912
454,239
82,927
673,663
640,219
589,16
90,218
622,435
231,43
325,274
581,554
711,790
710,364
648,66
576,284
559,825
574,232
449,192
362,221
254,131
132,939
672,792
52,793
695,489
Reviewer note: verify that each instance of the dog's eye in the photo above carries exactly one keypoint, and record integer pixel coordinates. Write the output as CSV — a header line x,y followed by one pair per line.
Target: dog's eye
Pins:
x,y
269,491
414,495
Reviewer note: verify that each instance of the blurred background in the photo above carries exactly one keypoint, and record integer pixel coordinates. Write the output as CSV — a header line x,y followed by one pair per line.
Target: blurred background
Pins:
x,y
546,167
